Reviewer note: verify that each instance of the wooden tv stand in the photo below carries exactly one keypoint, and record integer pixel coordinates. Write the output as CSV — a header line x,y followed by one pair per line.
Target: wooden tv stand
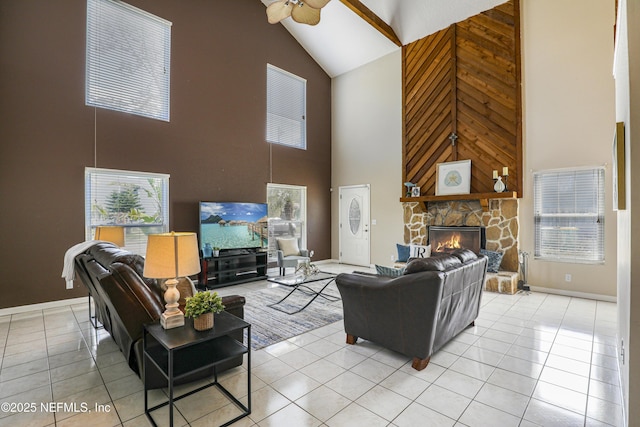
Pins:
x,y
232,268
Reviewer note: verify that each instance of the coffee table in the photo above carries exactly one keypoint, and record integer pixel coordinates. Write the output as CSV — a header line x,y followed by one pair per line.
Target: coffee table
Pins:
x,y
299,282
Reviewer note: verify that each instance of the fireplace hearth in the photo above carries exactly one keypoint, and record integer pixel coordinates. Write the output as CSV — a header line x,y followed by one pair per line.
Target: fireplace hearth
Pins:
x,y
446,239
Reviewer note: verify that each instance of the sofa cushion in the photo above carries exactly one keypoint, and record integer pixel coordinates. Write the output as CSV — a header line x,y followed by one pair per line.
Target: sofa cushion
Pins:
x,y
439,262
464,255
495,259
289,247
389,271
403,252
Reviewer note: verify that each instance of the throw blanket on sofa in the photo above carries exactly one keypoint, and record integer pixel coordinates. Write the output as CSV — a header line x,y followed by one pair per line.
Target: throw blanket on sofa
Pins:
x,y
68,272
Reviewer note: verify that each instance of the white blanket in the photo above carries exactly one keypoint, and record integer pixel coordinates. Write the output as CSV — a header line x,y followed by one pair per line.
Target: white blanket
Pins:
x,y
68,272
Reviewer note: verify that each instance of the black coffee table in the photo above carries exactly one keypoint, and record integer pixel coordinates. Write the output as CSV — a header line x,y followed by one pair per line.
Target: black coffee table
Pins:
x,y
299,283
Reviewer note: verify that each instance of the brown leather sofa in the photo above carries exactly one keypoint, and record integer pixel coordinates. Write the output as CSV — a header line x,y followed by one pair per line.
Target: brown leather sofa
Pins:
x,y
418,312
125,301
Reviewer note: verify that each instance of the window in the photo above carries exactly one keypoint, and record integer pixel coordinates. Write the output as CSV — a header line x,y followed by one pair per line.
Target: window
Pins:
x,y
287,212
128,59
286,108
138,201
569,215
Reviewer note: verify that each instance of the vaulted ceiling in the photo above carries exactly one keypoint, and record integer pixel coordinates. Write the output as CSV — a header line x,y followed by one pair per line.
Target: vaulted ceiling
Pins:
x,y
352,33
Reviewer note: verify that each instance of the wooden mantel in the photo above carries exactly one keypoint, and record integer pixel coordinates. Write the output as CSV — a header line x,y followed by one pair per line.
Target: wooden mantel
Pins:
x,y
482,197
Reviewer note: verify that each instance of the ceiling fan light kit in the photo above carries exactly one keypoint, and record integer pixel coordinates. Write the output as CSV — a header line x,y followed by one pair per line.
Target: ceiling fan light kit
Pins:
x,y
303,12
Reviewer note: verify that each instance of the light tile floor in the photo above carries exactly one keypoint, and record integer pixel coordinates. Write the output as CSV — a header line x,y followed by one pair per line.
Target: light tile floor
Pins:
x,y
534,359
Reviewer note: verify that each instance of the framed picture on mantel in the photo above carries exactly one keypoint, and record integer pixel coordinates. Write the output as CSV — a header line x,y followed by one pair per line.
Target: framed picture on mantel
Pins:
x,y
453,178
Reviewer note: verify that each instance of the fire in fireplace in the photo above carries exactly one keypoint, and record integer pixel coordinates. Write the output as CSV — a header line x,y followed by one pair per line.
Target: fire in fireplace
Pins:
x,y
446,239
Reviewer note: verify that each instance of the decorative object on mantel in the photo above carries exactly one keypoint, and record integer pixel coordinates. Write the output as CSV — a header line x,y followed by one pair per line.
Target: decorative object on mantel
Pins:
x,y
415,191
453,178
409,186
505,174
303,12
170,256
202,306
500,184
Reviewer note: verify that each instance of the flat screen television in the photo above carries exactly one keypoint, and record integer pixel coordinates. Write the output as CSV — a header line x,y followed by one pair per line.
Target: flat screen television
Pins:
x,y
231,225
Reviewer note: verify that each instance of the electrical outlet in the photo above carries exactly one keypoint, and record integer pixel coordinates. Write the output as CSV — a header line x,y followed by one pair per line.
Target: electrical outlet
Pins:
x,y
392,257
567,277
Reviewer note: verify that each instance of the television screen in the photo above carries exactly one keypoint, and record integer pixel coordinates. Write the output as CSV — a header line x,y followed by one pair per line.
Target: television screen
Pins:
x,y
228,225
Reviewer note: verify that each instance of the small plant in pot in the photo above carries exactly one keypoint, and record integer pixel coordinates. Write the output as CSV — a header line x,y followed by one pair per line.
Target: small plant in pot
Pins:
x,y
202,307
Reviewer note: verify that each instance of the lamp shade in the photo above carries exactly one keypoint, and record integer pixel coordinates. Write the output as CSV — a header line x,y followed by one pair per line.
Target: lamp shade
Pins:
x,y
171,255
110,233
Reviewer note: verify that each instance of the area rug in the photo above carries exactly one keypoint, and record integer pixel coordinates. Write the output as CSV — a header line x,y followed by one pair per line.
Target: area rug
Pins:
x,y
269,326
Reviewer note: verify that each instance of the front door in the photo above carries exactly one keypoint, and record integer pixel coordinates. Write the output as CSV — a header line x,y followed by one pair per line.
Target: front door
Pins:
x,y
354,225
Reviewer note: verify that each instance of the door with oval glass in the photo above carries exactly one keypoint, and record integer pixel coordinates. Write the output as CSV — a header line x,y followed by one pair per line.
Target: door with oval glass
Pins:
x,y
354,225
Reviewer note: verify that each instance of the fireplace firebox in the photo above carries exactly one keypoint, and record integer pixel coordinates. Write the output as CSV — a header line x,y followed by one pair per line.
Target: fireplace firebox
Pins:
x,y
446,239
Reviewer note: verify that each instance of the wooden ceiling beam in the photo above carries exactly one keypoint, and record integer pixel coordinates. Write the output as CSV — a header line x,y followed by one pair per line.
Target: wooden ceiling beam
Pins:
x,y
372,19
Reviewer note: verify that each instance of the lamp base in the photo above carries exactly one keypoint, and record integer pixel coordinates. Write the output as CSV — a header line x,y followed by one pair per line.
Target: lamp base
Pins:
x,y
172,320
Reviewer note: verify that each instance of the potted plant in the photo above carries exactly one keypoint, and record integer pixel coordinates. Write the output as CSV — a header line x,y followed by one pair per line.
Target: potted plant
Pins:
x,y
202,307
216,251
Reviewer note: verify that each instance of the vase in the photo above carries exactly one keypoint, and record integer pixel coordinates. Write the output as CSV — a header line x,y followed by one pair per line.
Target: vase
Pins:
x,y
203,322
499,186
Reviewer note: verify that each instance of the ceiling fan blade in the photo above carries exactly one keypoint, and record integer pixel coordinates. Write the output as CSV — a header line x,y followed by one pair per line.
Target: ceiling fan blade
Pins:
x,y
278,11
306,15
316,4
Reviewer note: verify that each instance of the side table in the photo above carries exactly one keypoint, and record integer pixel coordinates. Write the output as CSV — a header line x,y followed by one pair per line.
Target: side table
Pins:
x,y
182,351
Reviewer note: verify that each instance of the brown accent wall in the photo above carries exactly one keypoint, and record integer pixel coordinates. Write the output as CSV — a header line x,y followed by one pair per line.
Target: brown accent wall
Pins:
x,y
465,80
213,148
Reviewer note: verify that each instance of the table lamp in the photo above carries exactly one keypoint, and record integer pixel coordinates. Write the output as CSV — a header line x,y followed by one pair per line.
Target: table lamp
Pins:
x,y
110,233
171,256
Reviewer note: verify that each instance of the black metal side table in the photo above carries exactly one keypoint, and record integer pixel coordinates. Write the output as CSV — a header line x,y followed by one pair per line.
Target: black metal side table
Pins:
x,y
181,351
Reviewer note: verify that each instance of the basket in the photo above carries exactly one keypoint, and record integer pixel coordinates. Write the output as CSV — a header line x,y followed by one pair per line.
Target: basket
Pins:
x,y
203,322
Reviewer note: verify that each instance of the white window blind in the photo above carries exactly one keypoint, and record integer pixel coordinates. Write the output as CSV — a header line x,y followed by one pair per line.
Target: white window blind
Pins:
x,y
569,215
138,201
286,108
128,59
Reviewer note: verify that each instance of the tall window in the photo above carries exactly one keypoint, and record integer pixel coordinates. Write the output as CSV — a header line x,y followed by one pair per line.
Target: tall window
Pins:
x,y
128,59
138,201
286,108
287,211
569,215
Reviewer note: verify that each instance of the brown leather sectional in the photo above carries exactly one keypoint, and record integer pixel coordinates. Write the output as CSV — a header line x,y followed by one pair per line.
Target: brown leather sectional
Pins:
x,y
125,300
418,312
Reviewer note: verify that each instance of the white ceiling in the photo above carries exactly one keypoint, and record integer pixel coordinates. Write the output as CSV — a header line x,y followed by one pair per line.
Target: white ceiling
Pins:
x,y
343,41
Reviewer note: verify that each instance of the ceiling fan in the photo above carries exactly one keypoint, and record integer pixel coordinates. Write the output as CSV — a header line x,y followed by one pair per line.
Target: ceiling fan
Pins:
x,y
302,11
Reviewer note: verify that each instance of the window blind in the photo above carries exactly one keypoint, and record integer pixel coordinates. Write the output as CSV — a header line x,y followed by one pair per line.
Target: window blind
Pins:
x,y
286,108
138,201
128,59
569,215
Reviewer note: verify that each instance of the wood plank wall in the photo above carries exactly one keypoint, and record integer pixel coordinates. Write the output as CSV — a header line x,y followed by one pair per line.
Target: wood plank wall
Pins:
x,y
465,81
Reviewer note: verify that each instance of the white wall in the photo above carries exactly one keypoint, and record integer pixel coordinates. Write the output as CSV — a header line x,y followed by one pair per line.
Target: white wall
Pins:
x,y
569,118
627,67
367,148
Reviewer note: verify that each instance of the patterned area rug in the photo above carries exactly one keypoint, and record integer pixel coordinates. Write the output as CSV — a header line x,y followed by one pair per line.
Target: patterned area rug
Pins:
x,y
269,326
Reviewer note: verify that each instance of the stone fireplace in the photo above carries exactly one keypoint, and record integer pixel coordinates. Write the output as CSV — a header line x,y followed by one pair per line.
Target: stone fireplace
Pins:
x,y
500,222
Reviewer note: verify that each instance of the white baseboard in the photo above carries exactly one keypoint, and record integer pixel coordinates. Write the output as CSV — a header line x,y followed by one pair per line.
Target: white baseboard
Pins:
x,y
42,306
326,261
566,293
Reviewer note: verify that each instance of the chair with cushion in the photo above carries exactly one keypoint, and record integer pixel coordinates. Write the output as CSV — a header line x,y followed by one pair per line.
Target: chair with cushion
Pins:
x,y
289,254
